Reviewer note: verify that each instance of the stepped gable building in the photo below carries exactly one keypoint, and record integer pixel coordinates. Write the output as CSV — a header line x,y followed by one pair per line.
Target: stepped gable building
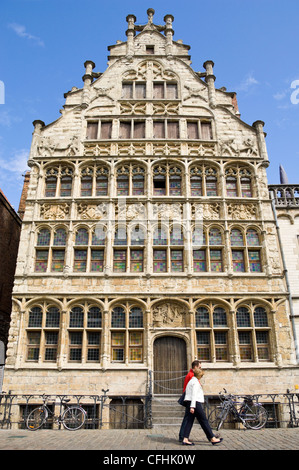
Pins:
x,y
148,236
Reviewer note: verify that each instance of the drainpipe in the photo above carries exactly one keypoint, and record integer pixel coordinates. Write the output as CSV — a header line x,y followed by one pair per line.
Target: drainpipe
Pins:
x,y
286,276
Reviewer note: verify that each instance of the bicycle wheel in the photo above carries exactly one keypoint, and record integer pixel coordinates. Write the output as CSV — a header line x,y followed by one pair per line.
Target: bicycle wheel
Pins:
x,y
73,418
36,418
255,416
217,417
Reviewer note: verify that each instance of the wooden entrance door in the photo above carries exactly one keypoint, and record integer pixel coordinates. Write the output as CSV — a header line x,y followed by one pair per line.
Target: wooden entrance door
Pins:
x,y
170,365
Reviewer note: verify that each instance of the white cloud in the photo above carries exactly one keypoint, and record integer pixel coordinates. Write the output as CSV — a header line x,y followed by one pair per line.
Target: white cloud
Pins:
x,y
20,30
15,165
248,82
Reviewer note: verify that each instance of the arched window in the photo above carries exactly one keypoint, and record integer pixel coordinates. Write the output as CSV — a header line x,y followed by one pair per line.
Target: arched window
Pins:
x,y
253,334
212,333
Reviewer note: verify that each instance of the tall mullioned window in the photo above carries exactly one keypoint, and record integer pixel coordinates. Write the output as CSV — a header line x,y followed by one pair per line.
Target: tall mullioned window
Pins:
x,y
127,334
253,334
212,333
50,250
246,251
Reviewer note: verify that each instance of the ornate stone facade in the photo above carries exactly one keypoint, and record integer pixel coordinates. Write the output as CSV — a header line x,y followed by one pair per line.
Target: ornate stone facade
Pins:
x,y
148,216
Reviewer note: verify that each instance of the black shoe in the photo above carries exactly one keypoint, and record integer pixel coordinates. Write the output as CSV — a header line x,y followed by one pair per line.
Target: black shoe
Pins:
x,y
188,443
217,442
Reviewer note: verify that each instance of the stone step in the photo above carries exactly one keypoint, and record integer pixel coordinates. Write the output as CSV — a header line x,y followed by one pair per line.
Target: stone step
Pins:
x,y
166,411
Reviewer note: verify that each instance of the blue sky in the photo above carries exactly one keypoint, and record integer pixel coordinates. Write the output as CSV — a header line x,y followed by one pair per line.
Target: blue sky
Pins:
x,y
44,44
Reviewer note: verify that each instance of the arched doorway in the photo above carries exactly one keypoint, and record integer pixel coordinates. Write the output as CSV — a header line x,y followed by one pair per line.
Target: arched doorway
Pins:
x,y
170,365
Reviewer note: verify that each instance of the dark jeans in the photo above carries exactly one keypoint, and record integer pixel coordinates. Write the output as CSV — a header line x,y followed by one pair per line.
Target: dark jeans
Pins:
x,y
183,425
200,415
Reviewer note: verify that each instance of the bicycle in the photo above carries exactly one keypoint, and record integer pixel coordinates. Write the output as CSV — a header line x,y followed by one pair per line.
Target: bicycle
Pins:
x,y
72,418
251,414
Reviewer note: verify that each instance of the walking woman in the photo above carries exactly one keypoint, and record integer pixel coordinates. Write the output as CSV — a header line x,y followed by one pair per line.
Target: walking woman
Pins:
x,y
194,398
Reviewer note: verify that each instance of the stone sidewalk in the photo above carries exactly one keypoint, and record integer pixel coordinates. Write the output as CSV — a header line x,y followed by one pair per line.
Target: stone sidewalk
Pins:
x,y
162,438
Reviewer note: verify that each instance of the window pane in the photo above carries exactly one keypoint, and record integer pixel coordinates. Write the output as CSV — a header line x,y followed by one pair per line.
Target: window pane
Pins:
x,y
175,188
159,261
198,236
211,186
252,238
199,260
41,261
177,261
136,318
98,236
33,342
123,185
101,186
125,130
127,91
215,237
246,187
260,317
202,318
66,186
176,236
97,260
118,319
262,340
51,183
192,130
196,186
231,187
158,89
120,261
206,130
53,317
81,237
203,346
137,236
80,260
171,91
138,185
216,260
245,346
35,317
159,185
94,318
86,186
92,130
160,236
139,91
238,261
221,346
106,129
243,317
43,238
236,238
139,130
59,237
173,130
136,261
158,130
120,237
219,317
76,317
254,261
57,260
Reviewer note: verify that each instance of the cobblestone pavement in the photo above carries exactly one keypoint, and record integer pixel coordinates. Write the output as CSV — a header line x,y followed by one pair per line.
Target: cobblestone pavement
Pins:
x,y
156,439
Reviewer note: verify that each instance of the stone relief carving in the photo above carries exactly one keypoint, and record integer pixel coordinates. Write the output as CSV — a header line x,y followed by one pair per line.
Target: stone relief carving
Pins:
x,y
206,211
92,211
242,211
230,147
47,146
169,314
195,92
130,212
167,211
54,211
